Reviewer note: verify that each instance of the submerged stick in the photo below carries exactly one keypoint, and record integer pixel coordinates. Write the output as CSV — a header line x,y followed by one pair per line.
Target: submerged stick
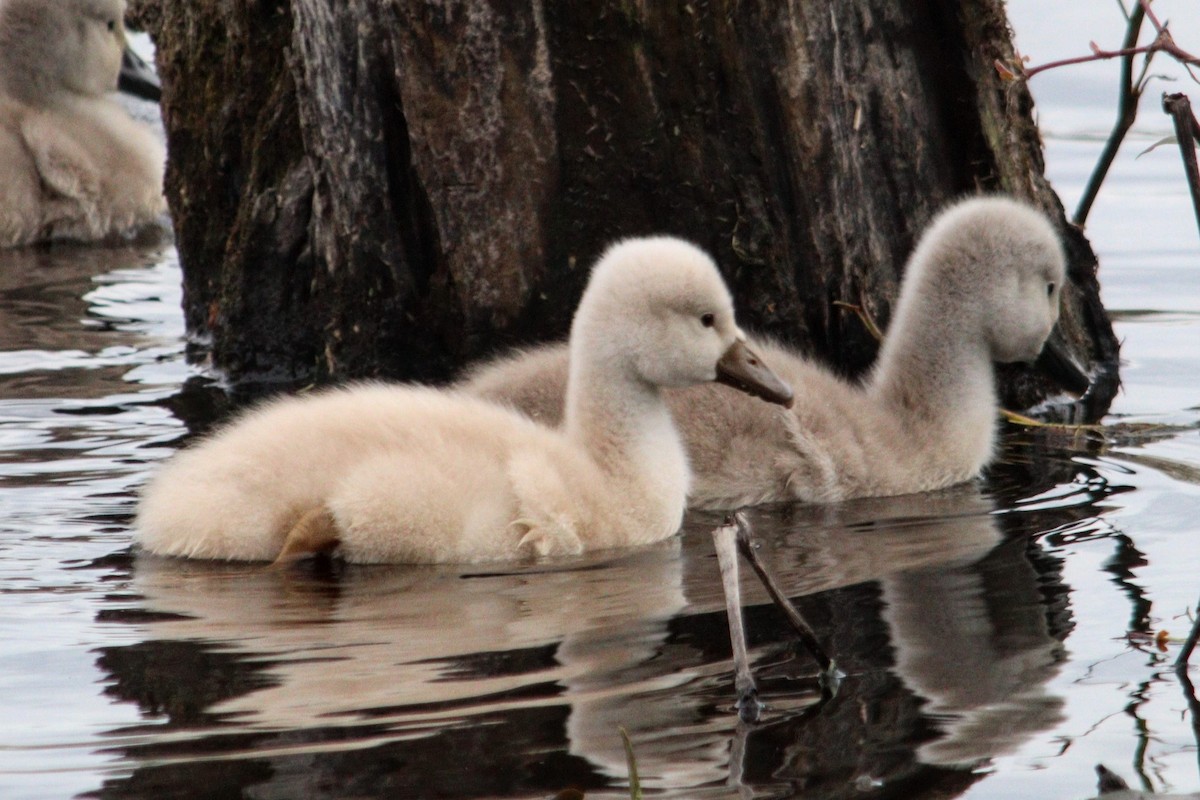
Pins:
x,y
725,540
830,677
736,532
803,631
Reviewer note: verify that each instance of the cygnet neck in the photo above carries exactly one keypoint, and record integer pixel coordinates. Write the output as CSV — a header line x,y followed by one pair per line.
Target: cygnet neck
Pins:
x,y
617,415
935,358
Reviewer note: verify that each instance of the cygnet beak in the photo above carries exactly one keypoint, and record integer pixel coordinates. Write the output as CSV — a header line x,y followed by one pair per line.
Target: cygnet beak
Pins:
x,y
137,77
1059,366
742,369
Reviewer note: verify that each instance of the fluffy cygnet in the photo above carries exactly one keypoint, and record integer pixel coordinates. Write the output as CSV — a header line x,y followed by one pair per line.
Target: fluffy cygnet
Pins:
x,y
73,163
982,286
407,474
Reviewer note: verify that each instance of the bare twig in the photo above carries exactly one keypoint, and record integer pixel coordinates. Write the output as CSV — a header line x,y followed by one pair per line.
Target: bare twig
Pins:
x,y
1183,57
1187,132
1131,89
1163,42
1097,55
864,316
1144,5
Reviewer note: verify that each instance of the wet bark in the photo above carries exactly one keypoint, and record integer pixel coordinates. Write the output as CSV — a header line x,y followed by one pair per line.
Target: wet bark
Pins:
x,y
395,188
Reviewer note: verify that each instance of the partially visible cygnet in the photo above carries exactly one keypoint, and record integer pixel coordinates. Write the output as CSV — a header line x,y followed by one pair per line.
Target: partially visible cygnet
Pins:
x,y
73,164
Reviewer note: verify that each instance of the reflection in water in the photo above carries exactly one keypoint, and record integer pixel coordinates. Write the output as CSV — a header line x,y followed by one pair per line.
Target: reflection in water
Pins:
x,y
456,680
49,294
405,636
948,651
974,641
429,681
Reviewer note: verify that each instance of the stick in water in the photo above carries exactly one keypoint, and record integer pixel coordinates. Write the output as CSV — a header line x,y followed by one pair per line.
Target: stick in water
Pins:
x,y
736,533
803,631
725,541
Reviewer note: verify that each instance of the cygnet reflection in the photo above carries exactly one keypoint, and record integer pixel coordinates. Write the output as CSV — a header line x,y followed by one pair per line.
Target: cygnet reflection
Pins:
x,y
964,616
381,638
974,640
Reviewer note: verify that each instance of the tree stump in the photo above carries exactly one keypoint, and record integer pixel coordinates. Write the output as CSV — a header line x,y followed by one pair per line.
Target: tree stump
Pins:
x,y
394,188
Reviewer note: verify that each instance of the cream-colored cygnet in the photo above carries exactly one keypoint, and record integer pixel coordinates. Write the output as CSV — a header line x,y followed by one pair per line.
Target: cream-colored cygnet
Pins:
x,y
410,474
73,164
982,286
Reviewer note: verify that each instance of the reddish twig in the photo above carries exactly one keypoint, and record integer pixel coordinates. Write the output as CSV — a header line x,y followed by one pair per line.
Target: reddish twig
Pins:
x,y
1131,90
1163,42
1182,56
1097,55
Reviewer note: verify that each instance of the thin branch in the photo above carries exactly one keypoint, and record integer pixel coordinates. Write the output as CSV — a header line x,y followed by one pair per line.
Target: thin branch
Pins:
x,y
1184,58
1158,26
864,317
1163,42
1131,90
1144,76
1127,109
1097,55
1164,36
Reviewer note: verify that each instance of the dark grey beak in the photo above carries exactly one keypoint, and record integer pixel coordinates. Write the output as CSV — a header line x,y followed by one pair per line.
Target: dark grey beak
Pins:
x,y
742,369
1059,366
138,78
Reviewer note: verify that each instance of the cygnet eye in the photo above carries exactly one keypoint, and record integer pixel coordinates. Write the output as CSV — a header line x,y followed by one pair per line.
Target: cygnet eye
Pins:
x,y
112,24
708,320
1050,289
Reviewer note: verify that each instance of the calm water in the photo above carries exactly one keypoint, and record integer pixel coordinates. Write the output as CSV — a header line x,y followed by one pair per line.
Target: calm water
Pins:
x,y
996,636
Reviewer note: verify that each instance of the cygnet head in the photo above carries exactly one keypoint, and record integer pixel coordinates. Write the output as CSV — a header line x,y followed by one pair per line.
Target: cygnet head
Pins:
x,y
51,47
1002,260
656,310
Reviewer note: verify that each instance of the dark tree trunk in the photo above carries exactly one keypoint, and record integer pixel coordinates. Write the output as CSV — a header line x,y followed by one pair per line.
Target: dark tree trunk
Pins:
x,y
367,187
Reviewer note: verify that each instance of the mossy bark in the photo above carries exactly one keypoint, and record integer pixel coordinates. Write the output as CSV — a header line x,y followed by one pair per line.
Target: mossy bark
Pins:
x,y
395,188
